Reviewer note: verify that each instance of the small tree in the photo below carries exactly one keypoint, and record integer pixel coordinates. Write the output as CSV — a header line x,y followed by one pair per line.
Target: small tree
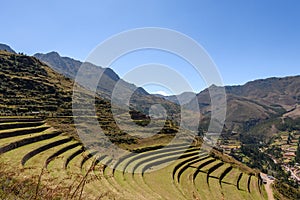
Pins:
x,y
297,159
289,140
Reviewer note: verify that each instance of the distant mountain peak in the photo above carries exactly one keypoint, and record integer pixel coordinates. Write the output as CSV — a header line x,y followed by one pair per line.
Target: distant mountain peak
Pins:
x,y
111,74
50,54
5,47
69,67
53,53
182,98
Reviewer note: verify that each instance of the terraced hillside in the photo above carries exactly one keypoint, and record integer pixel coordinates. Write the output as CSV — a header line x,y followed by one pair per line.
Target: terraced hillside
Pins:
x,y
29,86
140,99
61,167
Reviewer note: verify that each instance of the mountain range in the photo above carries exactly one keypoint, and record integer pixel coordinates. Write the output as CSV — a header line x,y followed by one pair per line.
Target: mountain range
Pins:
x,y
69,67
258,100
254,101
250,103
259,113
139,98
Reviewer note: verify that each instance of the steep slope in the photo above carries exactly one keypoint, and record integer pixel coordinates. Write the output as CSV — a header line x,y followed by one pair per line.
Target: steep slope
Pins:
x,y
46,162
140,99
69,67
7,48
29,85
284,92
256,100
50,165
182,98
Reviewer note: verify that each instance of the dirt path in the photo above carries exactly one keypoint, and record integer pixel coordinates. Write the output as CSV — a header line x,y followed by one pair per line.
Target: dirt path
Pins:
x,y
269,190
268,186
293,113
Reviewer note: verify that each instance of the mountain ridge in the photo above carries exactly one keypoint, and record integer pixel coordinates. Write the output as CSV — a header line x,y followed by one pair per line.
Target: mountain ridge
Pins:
x,y
251,102
69,67
257,100
139,98
7,48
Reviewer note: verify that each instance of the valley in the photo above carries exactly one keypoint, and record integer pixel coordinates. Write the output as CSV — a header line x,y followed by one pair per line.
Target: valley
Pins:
x,y
41,150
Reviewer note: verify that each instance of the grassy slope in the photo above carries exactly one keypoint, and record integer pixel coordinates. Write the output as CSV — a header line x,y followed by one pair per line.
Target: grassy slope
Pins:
x,y
44,90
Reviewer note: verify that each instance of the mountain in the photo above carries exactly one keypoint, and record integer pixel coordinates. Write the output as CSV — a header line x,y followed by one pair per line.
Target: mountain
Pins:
x,y
69,67
30,87
283,92
247,104
182,98
139,98
7,48
257,100
252,102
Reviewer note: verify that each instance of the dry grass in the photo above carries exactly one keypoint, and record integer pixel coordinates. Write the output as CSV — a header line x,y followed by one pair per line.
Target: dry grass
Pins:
x,y
14,186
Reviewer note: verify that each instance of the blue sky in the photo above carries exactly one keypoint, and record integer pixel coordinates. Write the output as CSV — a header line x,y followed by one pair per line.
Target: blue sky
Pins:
x,y
246,39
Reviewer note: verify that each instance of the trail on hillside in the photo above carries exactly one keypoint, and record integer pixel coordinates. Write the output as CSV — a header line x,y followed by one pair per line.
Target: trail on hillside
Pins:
x,y
268,187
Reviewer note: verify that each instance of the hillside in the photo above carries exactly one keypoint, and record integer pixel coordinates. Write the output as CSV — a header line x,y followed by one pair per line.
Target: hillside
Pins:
x,y
31,88
7,48
41,155
182,98
140,99
257,100
252,102
247,105
69,67
28,85
46,164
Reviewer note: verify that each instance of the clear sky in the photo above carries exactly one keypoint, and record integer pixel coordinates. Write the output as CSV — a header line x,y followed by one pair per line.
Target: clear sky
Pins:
x,y
246,39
